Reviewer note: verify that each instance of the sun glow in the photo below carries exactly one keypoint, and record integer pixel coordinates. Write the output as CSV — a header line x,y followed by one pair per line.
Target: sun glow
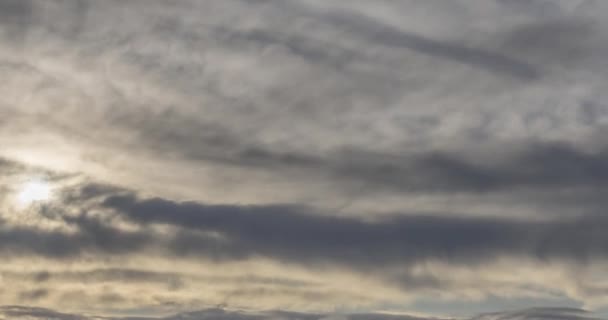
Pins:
x,y
36,191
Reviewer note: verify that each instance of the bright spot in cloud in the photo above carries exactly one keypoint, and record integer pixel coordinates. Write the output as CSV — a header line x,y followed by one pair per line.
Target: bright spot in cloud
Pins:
x,y
33,192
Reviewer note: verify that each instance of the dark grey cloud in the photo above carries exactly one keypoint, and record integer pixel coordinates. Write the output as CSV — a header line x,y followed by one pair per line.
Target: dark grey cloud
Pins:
x,y
535,166
20,17
93,237
557,42
379,33
16,312
298,234
494,62
538,8
291,234
78,10
15,18
8,167
540,314
308,48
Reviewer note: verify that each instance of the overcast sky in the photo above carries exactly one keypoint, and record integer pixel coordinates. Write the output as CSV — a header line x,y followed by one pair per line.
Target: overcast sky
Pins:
x,y
304,159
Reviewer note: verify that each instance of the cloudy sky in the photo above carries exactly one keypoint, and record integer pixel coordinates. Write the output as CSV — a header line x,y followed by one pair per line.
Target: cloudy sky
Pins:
x,y
304,159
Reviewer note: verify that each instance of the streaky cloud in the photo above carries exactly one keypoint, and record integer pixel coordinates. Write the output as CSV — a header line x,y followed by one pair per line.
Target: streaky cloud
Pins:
x,y
18,312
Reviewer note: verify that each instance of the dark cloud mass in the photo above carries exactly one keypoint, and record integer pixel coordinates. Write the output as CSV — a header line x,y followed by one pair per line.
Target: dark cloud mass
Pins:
x,y
303,159
289,233
298,234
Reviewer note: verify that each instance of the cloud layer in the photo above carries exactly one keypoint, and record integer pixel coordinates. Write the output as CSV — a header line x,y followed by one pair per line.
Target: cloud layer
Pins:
x,y
304,155
17,312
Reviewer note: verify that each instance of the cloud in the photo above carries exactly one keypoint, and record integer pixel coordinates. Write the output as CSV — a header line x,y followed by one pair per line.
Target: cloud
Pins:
x,y
303,155
293,235
410,254
378,33
539,313
16,17
58,244
550,165
37,313
298,234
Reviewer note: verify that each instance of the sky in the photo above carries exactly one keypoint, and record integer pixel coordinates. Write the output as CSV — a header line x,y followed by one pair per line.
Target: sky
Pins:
x,y
304,159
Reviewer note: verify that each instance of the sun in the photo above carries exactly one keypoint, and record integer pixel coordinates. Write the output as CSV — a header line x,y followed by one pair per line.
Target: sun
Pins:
x,y
36,191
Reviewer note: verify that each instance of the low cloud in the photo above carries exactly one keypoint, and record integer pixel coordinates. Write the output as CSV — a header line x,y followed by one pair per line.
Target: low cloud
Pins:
x,y
277,231
536,314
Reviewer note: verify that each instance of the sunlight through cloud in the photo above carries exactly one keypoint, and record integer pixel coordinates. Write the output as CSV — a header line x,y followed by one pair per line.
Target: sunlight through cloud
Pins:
x,y
34,191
